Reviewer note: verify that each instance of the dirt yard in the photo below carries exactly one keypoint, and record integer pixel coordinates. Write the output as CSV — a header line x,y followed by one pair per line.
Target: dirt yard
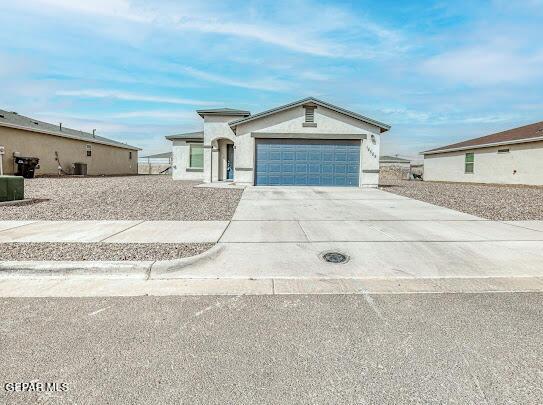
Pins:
x,y
495,202
122,198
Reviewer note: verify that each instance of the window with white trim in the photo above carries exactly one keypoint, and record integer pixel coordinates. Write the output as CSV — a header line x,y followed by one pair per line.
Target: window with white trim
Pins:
x,y
89,150
196,156
469,163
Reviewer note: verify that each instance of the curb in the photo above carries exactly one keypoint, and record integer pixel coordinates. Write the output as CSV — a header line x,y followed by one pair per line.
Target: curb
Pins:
x,y
144,270
64,269
166,269
85,287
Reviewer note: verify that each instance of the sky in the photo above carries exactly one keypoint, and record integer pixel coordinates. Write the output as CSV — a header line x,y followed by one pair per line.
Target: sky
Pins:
x,y
437,71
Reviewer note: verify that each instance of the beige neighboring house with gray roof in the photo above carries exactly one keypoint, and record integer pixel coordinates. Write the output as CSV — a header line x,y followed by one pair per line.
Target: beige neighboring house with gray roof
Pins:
x,y
56,145
308,142
514,156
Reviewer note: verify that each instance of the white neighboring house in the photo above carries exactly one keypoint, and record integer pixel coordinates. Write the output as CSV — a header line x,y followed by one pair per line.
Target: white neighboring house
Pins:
x,y
509,157
305,143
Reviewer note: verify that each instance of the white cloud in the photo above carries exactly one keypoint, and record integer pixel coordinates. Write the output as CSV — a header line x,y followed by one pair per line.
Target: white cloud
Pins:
x,y
159,114
107,8
120,95
362,38
269,84
486,65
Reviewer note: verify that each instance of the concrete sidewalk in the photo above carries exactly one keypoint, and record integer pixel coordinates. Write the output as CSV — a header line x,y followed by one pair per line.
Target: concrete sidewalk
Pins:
x,y
278,235
112,231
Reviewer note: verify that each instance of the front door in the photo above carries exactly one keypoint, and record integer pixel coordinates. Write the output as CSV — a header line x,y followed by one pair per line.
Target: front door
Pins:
x,y
229,162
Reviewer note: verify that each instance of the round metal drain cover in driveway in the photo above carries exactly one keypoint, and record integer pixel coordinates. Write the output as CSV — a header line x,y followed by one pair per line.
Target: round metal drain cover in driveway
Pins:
x,y
335,257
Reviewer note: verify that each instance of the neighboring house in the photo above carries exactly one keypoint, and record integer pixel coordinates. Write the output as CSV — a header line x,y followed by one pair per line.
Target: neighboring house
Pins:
x,y
509,157
159,163
305,143
56,145
394,167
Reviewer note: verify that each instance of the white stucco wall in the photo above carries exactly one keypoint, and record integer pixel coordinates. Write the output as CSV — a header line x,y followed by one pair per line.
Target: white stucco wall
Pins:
x,y
490,166
215,127
180,162
291,122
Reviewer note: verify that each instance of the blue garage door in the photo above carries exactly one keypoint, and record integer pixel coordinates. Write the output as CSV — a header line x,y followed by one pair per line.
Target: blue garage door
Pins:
x,y
304,162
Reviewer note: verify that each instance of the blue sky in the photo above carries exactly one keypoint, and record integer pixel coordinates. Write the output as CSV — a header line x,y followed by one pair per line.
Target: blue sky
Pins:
x,y
437,71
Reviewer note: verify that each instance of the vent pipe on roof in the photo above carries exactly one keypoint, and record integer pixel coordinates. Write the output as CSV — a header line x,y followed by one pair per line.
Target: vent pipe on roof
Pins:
x,y
60,125
94,133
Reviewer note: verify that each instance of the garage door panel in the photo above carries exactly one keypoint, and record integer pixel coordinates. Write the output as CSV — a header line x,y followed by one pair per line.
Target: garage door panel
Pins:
x,y
314,169
307,162
353,169
288,168
301,169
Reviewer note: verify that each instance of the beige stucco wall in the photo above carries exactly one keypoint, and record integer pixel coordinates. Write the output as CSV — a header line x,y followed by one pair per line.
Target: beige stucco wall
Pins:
x,y
291,122
490,166
105,159
217,133
180,162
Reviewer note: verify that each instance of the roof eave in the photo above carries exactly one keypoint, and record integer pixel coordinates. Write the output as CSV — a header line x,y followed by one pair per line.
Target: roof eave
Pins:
x,y
481,146
382,126
202,113
68,136
188,135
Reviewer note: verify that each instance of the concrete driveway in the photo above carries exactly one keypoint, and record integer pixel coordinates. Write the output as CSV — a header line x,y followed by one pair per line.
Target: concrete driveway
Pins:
x,y
281,232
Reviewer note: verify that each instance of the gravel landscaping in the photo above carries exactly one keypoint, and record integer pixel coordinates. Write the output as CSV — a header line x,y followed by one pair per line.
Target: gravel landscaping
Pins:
x,y
100,251
490,201
122,198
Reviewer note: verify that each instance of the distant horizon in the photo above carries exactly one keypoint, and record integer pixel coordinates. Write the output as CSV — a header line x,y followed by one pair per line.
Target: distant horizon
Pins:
x,y
136,71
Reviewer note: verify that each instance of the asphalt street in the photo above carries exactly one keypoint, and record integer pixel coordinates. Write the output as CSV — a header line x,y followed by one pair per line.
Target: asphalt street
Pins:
x,y
320,349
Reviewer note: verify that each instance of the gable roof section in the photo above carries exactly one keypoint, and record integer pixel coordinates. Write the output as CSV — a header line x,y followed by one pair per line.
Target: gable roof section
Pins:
x,y
224,112
384,127
16,121
187,135
526,133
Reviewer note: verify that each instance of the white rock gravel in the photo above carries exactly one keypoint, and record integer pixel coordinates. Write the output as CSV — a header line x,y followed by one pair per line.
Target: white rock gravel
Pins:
x,y
495,202
122,198
99,251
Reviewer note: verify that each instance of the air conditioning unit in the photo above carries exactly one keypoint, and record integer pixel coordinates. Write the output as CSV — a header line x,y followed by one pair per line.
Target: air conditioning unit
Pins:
x,y
80,169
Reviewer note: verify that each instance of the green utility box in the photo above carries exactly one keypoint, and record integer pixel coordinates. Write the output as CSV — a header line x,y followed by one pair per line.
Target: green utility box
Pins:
x,y
12,188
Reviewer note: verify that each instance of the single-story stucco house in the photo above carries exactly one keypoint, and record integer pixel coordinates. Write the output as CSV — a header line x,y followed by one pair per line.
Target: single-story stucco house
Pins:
x,y
394,167
514,156
305,143
56,145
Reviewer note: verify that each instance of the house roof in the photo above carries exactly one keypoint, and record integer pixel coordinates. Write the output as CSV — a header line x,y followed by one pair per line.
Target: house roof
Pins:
x,y
527,133
224,112
165,155
187,135
384,127
14,120
393,159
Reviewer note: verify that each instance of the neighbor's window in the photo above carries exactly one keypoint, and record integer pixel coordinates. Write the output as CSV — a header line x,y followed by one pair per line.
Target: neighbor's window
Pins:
x,y
503,150
89,150
469,162
196,159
